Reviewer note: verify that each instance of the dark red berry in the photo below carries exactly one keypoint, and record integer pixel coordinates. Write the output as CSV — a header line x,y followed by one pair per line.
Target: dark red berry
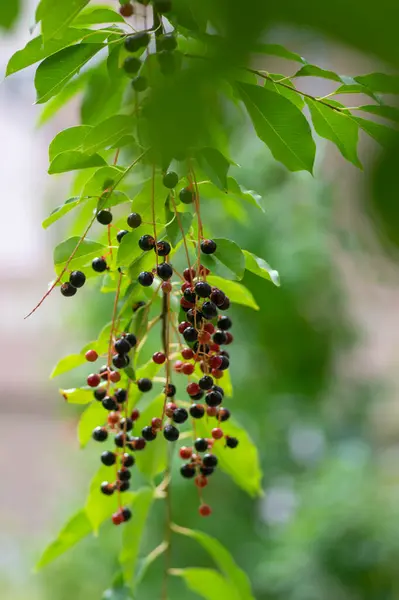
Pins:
x,y
77,279
144,384
183,326
169,409
170,180
188,274
100,434
231,442
217,373
165,271
91,356
193,389
188,369
215,362
135,414
166,287
99,265
197,411
225,305
171,433
126,10
187,353
68,290
229,338
156,423
186,196
211,411
178,366
139,443
146,278
104,217
159,358
217,296
185,452
205,510
208,246
146,242
201,481
134,221
217,433
198,396
93,380
223,414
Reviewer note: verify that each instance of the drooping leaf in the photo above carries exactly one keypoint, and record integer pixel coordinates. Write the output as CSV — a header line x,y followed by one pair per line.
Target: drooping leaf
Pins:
x,y
133,532
286,88
387,112
71,138
95,15
260,267
153,459
228,261
314,71
74,160
380,82
56,15
281,126
337,127
222,558
235,291
352,87
92,416
207,583
215,165
77,528
180,224
63,251
107,133
243,466
278,50
77,395
381,133
67,364
60,211
58,69
98,506
56,103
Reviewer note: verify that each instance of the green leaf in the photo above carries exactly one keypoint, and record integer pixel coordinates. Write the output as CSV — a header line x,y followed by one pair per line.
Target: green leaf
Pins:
x,y
142,201
92,416
352,87
107,133
215,165
67,364
9,12
337,127
153,459
103,96
56,15
74,160
207,583
387,112
147,562
278,50
244,466
281,126
60,211
98,506
63,97
381,133
118,592
77,528
63,251
260,267
237,292
291,94
68,139
223,559
380,82
96,14
55,71
314,71
77,395
228,261
133,532
182,221
129,248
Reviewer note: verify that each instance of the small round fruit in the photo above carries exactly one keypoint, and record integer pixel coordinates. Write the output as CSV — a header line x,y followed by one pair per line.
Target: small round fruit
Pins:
x,y
144,384
201,481
109,403
68,290
126,10
131,338
203,289
223,414
224,323
180,415
107,488
219,337
122,346
188,274
171,433
169,409
146,278
183,326
170,390
210,460
159,358
99,265
197,411
193,389
201,444
108,458
100,394
167,42
187,471
226,304
165,271
77,279
187,353
91,356
186,196
185,452
229,338
131,65
120,361
206,471
209,310
93,380
232,442
128,460
126,424
170,180
162,248
206,382
146,242
156,423
104,217
189,295
135,414
126,514
208,246
123,486
217,433
225,363
139,443
213,398
140,83
136,41
134,220
124,474
148,433
120,395
100,434
166,287
121,234
205,510
190,334
121,439
217,296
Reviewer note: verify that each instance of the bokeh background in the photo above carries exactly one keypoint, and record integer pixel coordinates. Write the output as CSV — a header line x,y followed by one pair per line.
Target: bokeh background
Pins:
x,y
315,372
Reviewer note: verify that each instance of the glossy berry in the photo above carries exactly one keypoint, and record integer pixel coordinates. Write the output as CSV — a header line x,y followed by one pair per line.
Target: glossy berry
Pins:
x,y
229,338
219,389
219,337
206,382
231,442
121,439
217,296
108,458
159,358
100,434
204,337
164,271
91,356
213,398
211,411
206,471
187,471
167,42
224,323
128,460
126,424
186,196
100,394
225,363
131,338
201,444
156,423
201,481
135,414
120,361
123,486
148,433
170,391
146,242
121,234
209,310
122,346
205,510
170,180
190,334
194,316
113,418
223,414
146,278
217,433
215,362
136,41
93,380
171,433
99,265
120,395
193,389
68,290
178,366
185,452
117,518
226,304
126,10
187,353
144,384
197,411
170,408
131,65
162,248
126,514
77,279
189,295
104,217
180,415
198,396
166,287
208,246
107,488
183,326
139,443
188,274
110,403
124,474
209,460
134,221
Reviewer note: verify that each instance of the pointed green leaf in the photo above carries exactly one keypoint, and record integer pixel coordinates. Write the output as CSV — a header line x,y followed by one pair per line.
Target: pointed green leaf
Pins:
x,y
314,71
387,112
107,133
77,395
63,251
352,87
153,459
244,466
133,532
98,506
182,221
56,15
278,50
63,97
228,261
337,127
67,364
260,267
207,583
71,138
74,160
77,528
9,12
60,211
281,126
223,559
129,249
291,94
237,292
55,71
97,14
381,133
380,82
215,165
92,416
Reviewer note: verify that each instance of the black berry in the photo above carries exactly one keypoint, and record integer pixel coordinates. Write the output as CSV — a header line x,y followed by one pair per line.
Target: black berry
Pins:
x,y
165,271
100,434
99,265
206,382
131,338
162,248
121,439
225,363
136,41
186,196
126,514
120,395
170,391
108,458
198,396
210,460
167,42
201,444
121,234
122,346
223,414
104,217
123,486
217,296
203,289
208,246
134,220
197,411
219,337
124,474
225,304
217,388
190,334
148,433
232,442
107,488
146,242
170,180
224,323
171,433
100,394
120,361
131,65
213,398
189,295
126,424
146,278
187,471
209,310
144,384
194,316
128,460
180,415
77,279
110,403
68,290
206,471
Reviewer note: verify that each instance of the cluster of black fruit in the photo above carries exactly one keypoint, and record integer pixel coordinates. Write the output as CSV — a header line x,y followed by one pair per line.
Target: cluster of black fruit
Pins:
x,y
77,279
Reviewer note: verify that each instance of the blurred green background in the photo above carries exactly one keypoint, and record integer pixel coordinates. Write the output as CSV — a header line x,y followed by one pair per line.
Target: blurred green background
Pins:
x,y
313,385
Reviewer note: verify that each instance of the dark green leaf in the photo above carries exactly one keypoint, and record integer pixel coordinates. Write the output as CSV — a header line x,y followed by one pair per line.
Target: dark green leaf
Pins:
x,y
55,71
380,82
64,250
120,592
387,112
228,261
67,364
153,460
133,532
285,90
63,97
352,87
215,165
281,126
74,160
77,528
92,416
56,15
103,96
181,221
68,139
9,11
278,50
314,71
260,267
248,195
107,133
96,14
207,583
381,133
235,291
337,127
77,395
129,248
